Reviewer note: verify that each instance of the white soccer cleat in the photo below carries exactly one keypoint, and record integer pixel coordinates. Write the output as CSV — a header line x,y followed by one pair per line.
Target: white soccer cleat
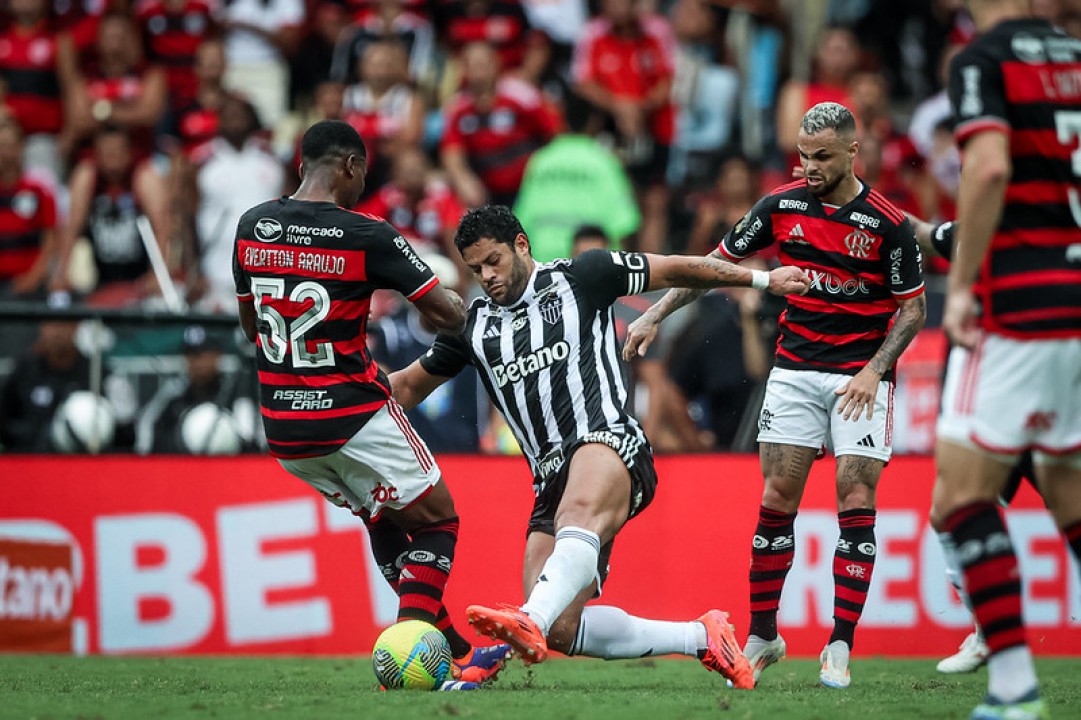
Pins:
x,y
970,657
763,653
834,673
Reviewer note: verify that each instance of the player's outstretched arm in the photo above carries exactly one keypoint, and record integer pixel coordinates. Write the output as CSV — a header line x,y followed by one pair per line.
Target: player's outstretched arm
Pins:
x,y
691,277
934,240
412,384
444,308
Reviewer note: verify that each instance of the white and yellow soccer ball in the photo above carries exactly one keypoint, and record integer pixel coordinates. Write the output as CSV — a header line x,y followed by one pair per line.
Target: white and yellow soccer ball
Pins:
x,y
411,655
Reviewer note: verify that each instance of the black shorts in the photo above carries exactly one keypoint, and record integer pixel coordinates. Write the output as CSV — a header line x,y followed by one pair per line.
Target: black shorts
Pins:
x,y
549,493
651,169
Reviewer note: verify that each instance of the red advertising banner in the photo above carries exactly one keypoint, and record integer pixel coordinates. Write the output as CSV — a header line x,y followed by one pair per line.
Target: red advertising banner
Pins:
x,y
193,555
36,593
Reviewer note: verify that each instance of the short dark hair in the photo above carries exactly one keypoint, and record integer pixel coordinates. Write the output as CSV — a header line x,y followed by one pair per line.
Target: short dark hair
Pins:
x,y
589,231
331,138
491,221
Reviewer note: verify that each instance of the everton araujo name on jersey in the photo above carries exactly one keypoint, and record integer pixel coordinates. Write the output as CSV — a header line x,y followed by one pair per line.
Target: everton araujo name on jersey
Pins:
x,y
550,362
311,269
861,258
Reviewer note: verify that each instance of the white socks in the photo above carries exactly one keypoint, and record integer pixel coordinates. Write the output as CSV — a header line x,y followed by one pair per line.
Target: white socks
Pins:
x,y
1010,673
612,634
569,570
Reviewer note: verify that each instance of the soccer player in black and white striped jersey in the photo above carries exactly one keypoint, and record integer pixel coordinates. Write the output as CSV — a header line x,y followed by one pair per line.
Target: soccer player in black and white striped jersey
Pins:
x,y
543,342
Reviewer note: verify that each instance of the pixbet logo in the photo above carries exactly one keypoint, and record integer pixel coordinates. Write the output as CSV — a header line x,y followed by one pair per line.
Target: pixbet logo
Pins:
x,y
829,283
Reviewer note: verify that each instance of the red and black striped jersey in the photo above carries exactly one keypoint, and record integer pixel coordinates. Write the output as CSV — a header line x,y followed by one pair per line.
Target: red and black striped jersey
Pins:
x,y
27,210
28,64
1023,78
862,258
311,269
171,37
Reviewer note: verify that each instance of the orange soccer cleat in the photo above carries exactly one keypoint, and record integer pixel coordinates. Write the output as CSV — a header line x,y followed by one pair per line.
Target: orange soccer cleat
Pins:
x,y
512,626
722,651
482,664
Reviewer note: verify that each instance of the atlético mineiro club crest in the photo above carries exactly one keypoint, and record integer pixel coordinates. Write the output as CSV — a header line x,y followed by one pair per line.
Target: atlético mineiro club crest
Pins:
x,y
551,309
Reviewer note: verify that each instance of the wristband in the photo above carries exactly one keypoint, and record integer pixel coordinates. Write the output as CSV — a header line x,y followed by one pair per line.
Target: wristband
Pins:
x,y
759,279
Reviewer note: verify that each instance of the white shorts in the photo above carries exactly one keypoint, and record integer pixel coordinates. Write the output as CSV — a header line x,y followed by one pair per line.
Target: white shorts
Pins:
x,y
1010,395
385,465
800,408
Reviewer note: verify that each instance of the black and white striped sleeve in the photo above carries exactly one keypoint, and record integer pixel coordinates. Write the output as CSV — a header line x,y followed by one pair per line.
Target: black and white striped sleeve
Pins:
x,y
605,276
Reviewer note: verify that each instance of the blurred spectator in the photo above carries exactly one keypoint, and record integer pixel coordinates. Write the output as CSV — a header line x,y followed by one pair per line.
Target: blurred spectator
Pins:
x,y
934,109
384,109
716,212
753,38
80,19
43,379
109,192
196,122
28,241
232,173
887,158
562,21
705,92
167,423
448,419
493,126
172,32
260,35
118,89
836,60
624,66
313,60
570,182
52,370
328,103
718,361
419,206
503,24
37,63
386,20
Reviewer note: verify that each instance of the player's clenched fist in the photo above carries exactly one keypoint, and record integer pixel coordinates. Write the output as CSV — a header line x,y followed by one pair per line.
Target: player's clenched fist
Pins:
x,y
788,280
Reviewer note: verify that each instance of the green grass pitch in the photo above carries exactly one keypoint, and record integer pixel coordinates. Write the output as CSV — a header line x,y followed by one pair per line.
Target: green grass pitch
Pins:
x,y
163,688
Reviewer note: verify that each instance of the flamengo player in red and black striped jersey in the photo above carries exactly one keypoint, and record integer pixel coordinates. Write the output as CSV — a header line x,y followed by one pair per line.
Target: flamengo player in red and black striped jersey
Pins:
x,y
835,358
305,270
1016,96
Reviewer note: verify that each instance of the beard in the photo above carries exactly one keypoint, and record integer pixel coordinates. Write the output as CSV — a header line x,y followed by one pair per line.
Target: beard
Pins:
x,y
515,285
827,187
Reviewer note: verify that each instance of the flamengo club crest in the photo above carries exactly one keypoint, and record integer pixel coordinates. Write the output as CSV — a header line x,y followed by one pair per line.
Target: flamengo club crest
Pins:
x,y
859,243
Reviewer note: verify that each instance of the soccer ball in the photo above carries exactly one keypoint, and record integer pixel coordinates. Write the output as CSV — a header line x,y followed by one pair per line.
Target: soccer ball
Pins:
x,y
411,655
207,429
83,423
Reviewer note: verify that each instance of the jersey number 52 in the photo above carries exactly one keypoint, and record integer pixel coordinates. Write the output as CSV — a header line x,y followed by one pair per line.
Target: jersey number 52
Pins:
x,y
277,336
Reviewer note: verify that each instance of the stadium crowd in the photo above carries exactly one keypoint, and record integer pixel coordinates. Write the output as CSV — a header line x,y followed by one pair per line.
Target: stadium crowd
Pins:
x,y
133,135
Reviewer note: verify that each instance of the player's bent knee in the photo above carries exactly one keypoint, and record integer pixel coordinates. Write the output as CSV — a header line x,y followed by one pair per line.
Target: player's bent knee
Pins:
x,y
781,496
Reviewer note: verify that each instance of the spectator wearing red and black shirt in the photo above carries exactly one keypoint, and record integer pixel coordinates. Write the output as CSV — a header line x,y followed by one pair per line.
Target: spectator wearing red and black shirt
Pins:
x,y
28,242
196,122
172,32
422,208
504,25
623,66
494,125
37,62
117,89
387,19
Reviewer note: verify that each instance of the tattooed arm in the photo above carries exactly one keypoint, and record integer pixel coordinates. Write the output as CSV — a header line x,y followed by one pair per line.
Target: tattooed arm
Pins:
x,y
691,277
860,391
